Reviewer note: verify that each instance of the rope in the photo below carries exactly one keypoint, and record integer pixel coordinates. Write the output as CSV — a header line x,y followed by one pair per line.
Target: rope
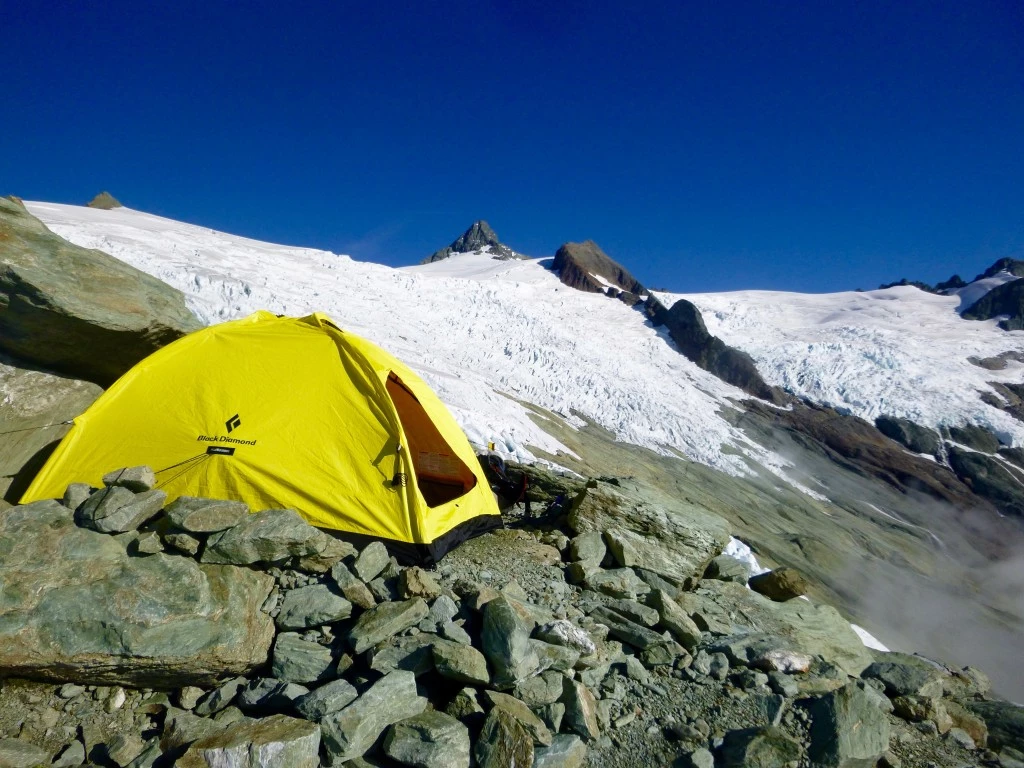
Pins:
x,y
43,426
193,463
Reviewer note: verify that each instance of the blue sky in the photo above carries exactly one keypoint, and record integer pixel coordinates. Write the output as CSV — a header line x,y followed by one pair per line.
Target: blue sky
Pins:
x,y
706,146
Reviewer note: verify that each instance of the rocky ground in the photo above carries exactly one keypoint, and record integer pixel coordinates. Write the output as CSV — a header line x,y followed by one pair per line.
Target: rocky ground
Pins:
x,y
612,633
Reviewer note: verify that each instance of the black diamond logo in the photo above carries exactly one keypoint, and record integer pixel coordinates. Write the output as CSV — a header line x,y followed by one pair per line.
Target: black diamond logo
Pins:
x,y
233,423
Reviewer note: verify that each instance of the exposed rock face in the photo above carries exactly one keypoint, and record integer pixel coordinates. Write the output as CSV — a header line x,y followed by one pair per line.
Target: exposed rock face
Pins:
x,y
104,201
1006,299
990,479
33,401
479,238
113,618
672,539
913,436
733,366
76,311
577,264
973,436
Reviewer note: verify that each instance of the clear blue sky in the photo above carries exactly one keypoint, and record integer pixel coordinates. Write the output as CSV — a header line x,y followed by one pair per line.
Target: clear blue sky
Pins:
x,y
706,146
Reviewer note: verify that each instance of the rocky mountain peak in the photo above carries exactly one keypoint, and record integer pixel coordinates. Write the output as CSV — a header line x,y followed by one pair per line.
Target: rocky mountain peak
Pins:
x,y
479,238
104,201
586,267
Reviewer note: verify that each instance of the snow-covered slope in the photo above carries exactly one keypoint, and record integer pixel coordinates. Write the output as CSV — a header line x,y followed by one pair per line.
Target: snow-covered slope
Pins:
x,y
486,333
898,352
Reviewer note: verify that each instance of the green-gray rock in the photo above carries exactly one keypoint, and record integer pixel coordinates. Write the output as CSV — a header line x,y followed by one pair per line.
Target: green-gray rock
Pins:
x,y
332,697
386,620
580,709
461,663
371,561
143,621
556,657
138,479
518,709
429,740
673,618
270,536
848,730
587,546
621,583
670,537
77,311
566,751
16,753
413,653
905,675
220,698
116,510
545,688
781,584
269,743
198,515
312,606
759,748
354,590
506,644
728,568
300,661
1005,723
627,631
503,742
348,733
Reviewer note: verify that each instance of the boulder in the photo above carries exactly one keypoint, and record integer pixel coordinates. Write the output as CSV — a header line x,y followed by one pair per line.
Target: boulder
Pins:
x,y
197,515
429,740
268,743
312,606
386,620
301,661
671,537
332,697
348,733
905,675
270,536
503,742
580,709
77,311
545,688
518,709
415,582
587,546
673,618
413,653
728,568
112,618
848,730
766,747
780,585
1005,723
116,510
371,561
17,753
627,631
354,590
220,697
268,696
566,634
506,644
461,663
566,751
137,479
37,411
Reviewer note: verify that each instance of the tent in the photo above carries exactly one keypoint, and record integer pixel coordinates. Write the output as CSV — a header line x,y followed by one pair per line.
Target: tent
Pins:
x,y
284,412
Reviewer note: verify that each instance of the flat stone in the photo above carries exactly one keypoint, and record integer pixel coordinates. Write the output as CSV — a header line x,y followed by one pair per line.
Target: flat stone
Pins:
x,y
580,709
765,747
270,536
384,621
117,510
618,582
567,634
312,606
334,551
413,653
220,697
331,697
429,740
354,590
673,618
781,584
461,663
503,742
545,688
149,543
136,479
183,542
847,729
17,753
506,644
627,631
300,661
268,743
350,732
630,609
670,536
455,632
198,515
160,621
269,696
371,561
566,751
415,582
518,709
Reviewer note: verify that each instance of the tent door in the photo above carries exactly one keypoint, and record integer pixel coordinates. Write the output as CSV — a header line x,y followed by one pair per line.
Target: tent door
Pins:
x,y
440,474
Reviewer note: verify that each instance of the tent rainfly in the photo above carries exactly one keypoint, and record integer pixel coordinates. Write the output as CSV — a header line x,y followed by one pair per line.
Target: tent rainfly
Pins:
x,y
284,412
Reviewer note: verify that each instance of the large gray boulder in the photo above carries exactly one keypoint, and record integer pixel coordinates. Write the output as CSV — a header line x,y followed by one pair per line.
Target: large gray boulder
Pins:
x,y
36,406
506,644
77,311
670,537
268,743
386,620
75,607
848,729
351,731
270,536
430,740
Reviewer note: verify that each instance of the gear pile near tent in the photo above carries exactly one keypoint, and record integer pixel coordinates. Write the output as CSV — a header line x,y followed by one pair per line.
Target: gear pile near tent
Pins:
x,y
288,413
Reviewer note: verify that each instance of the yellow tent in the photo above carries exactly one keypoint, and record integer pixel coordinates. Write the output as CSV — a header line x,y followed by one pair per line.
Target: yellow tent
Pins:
x,y
283,412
